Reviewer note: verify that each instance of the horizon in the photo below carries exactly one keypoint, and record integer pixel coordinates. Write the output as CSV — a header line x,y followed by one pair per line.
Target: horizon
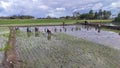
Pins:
x,y
53,8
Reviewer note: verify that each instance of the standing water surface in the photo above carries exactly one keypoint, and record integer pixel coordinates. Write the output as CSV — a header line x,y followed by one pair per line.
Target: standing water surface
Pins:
x,y
92,34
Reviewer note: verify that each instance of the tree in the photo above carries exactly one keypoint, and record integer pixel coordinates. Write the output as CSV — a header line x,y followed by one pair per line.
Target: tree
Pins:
x,y
84,16
14,17
67,17
106,14
21,17
100,14
91,14
96,15
48,17
76,15
117,19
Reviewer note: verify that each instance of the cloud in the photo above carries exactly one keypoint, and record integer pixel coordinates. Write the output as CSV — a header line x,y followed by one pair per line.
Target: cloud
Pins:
x,y
60,9
42,8
97,6
116,5
4,5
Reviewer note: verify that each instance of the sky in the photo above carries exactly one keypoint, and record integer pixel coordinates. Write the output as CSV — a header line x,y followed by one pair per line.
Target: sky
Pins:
x,y
55,8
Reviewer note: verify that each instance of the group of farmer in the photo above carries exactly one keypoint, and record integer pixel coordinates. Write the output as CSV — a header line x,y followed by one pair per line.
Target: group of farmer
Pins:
x,y
86,23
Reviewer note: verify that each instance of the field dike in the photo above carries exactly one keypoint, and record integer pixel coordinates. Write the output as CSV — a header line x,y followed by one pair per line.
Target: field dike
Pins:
x,y
10,60
63,51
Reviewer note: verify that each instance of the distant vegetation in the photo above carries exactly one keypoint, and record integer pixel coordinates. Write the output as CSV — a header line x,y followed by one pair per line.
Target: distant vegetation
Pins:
x,y
101,14
117,19
91,15
18,17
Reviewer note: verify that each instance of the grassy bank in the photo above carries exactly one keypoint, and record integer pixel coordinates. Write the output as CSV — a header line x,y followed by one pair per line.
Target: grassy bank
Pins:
x,y
64,51
45,21
4,31
112,30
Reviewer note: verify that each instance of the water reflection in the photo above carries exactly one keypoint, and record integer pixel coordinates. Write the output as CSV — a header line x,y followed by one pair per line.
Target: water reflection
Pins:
x,y
60,30
96,27
29,34
45,30
76,28
65,29
95,34
79,28
49,37
99,30
86,27
55,30
72,29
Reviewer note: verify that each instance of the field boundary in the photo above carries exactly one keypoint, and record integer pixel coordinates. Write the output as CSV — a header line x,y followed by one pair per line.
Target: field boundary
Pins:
x,y
10,60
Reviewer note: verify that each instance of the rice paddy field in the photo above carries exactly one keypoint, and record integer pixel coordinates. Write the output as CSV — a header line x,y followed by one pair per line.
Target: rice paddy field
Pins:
x,y
62,51
4,33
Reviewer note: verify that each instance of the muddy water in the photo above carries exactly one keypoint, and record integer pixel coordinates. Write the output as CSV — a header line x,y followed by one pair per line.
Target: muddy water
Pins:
x,y
93,34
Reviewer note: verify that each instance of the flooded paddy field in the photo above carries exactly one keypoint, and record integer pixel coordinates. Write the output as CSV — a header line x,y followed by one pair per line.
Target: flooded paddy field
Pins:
x,y
66,47
93,34
4,33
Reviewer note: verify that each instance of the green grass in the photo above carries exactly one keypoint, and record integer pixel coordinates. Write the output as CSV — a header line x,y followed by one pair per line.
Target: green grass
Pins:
x,y
45,21
5,48
113,30
4,29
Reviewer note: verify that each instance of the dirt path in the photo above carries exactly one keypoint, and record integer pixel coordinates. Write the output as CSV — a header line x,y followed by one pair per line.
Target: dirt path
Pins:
x,y
10,60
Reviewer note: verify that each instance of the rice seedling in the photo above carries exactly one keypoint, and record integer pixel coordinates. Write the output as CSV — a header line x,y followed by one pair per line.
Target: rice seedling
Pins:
x,y
63,51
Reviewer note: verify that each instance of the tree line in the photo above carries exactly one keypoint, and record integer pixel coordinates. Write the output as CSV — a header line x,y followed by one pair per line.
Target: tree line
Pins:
x,y
117,19
101,14
18,17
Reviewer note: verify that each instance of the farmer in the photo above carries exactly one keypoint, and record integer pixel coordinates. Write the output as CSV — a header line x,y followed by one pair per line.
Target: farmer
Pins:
x,y
17,28
55,30
48,31
36,29
63,23
28,29
86,22
49,34
36,32
60,30
28,32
